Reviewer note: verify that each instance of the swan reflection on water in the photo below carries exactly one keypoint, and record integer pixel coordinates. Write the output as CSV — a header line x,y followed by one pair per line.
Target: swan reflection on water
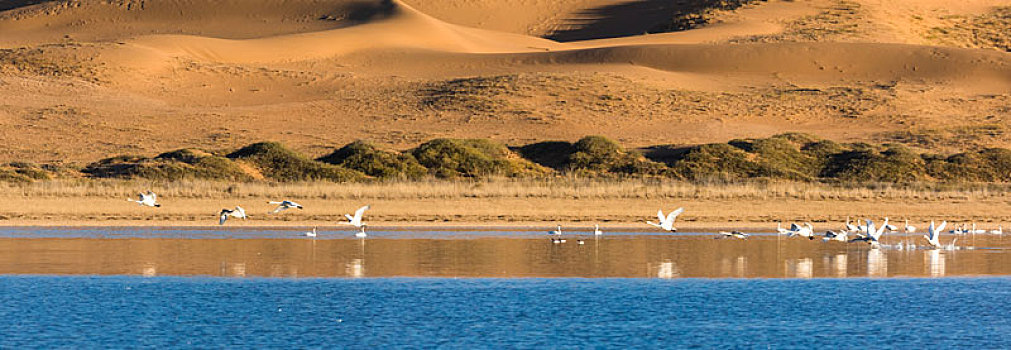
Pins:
x,y
800,268
934,261
838,264
667,270
355,268
149,270
877,263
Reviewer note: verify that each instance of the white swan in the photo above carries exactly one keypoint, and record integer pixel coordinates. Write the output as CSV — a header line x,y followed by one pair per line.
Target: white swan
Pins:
x,y
851,227
311,233
734,234
597,231
975,231
667,223
874,236
952,246
841,236
556,232
999,230
959,230
910,229
356,221
146,199
933,235
806,231
284,205
237,213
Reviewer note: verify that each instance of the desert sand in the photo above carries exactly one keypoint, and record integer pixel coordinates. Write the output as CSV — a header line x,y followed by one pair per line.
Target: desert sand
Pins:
x,y
83,80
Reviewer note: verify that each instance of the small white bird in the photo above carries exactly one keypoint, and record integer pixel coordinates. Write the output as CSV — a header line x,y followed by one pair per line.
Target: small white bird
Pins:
x,y
667,223
581,242
146,199
804,231
284,205
999,230
356,221
311,233
851,227
556,232
910,229
975,231
933,235
733,234
238,213
841,236
959,230
597,231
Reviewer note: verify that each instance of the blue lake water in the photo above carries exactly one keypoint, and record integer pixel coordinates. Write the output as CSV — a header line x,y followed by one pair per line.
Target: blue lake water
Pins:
x,y
173,312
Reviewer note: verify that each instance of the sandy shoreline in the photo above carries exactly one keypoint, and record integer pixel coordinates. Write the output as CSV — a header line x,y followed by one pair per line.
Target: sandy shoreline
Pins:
x,y
500,213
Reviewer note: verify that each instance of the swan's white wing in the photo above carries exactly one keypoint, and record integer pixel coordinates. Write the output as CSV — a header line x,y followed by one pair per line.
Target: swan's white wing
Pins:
x,y
794,227
348,216
275,203
222,218
931,231
242,212
672,216
940,228
360,212
279,209
660,217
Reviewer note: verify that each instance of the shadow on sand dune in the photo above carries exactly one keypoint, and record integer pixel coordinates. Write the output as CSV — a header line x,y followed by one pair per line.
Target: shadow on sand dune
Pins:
x,y
639,17
13,4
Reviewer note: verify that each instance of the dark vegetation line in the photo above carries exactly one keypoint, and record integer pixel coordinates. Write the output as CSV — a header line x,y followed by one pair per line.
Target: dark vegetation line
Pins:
x,y
794,157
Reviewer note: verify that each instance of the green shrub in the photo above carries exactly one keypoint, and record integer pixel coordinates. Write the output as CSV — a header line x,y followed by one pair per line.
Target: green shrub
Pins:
x,y
716,161
278,163
450,158
175,165
598,155
988,165
896,164
366,158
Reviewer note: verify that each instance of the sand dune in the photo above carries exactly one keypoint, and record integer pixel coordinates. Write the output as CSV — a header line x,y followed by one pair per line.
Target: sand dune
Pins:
x,y
144,76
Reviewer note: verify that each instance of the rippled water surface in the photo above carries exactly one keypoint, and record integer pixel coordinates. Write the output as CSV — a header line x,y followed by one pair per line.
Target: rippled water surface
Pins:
x,y
122,287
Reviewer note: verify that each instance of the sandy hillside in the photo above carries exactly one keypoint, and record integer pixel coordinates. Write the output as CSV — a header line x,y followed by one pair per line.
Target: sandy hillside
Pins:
x,y
82,80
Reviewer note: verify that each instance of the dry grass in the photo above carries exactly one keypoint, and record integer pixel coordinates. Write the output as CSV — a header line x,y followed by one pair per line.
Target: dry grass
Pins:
x,y
554,188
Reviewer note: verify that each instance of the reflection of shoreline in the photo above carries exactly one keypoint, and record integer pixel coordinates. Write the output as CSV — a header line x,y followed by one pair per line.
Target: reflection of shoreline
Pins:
x,y
492,257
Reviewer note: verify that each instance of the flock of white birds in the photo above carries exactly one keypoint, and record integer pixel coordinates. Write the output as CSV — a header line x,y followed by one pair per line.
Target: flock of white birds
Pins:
x,y
150,199
867,232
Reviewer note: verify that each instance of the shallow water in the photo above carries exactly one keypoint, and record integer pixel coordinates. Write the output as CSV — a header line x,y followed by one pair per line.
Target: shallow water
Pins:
x,y
123,287
498,254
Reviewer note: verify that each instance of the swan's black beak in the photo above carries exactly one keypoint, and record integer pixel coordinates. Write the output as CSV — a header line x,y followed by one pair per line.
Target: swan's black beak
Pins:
x,y
810,238
157,205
